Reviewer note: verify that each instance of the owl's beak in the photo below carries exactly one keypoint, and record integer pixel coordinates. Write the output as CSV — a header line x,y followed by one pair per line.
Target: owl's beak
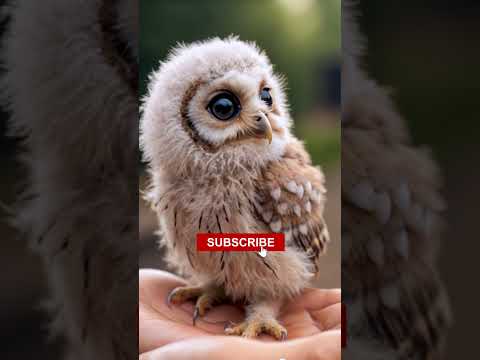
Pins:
x,y
263,129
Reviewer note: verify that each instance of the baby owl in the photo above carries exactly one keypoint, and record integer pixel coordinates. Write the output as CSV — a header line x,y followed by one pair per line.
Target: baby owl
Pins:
x,y
216,133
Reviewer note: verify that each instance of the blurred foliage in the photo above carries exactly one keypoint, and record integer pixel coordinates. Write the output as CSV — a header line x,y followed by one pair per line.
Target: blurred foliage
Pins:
x,y
323,144
301,37
428,55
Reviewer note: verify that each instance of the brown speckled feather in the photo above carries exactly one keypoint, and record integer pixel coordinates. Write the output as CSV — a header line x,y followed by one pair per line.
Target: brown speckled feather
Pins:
x,y
291,198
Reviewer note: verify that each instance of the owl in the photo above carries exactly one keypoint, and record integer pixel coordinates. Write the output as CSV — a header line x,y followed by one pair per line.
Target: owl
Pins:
x,y
216,133
71,89
392,207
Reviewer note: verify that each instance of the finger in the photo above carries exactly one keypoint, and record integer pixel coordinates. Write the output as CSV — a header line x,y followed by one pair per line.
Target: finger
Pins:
x,y
325,346
158,329
154,284
159,332
154,289
211,348
318,298
165,325
328,318
155,330
160,324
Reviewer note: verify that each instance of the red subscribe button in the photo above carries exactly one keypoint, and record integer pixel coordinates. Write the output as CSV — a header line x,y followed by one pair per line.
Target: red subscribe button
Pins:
x,y
240,242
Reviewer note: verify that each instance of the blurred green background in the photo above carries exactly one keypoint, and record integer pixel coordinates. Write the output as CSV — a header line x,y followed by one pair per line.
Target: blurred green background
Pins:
x,y
301,37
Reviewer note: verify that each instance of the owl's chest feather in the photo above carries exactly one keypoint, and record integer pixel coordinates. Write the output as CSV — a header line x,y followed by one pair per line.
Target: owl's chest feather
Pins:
x,y
214,207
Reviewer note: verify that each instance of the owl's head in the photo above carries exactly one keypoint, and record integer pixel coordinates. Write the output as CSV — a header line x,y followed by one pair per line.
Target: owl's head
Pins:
x,y
216,102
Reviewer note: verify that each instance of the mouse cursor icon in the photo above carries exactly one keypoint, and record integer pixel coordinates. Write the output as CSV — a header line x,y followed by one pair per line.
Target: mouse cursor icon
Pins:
x,y
262,252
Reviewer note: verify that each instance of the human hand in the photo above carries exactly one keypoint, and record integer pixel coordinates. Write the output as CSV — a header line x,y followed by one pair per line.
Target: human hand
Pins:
x,y
312,320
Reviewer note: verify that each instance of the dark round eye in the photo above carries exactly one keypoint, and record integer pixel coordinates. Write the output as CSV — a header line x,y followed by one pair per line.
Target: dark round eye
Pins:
x,y
224,106
266,97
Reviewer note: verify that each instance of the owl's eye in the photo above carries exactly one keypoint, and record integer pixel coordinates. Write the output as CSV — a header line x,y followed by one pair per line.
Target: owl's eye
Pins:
x,y
224,106
266,96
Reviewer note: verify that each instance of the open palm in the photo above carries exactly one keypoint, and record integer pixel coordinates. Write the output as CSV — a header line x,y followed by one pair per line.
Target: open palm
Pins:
x,y
315,311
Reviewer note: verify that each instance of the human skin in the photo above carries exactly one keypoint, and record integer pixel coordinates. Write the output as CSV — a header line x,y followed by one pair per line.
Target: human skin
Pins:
x,y
313,321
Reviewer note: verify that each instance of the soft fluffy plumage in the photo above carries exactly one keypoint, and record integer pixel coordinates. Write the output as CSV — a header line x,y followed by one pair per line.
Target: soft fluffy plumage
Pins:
x,y
391,216
219,176
72,94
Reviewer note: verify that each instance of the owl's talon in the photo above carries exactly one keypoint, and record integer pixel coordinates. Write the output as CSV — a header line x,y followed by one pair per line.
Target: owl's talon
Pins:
x,y
254,327
205,298
183,294
169,299
205,302
196,314
233,329
228,325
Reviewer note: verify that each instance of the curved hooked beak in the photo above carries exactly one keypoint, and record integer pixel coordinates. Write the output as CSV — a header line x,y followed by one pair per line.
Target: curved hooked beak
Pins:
x,y
263,129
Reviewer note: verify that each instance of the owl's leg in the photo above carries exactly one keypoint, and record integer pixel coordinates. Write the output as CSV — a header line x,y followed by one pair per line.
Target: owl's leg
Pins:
x,y
206,297
261,318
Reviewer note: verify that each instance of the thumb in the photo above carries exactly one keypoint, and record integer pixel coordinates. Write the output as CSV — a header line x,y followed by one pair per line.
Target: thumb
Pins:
x,y
211,348
324,346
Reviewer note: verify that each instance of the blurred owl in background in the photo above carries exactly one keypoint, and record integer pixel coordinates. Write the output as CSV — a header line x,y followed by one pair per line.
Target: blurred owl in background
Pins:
x,y
71,83
391,219
216,134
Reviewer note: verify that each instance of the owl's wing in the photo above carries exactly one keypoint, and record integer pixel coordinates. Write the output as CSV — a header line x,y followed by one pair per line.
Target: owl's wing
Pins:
x,y
391,225
290,198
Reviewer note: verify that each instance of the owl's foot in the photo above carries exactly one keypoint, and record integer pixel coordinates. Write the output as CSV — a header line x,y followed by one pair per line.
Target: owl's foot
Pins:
x,y
206,298
251,328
